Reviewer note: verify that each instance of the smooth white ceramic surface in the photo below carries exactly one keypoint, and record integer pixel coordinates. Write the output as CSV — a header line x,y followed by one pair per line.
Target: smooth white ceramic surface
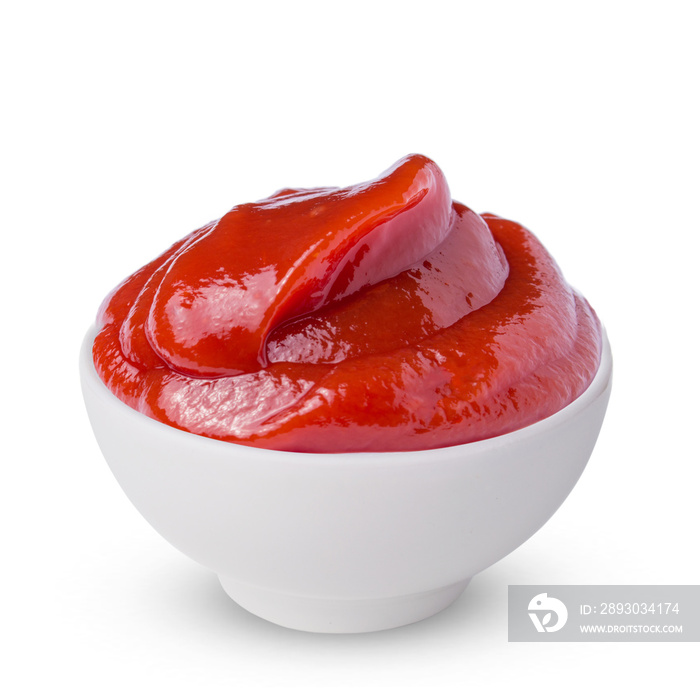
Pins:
x,y
345,542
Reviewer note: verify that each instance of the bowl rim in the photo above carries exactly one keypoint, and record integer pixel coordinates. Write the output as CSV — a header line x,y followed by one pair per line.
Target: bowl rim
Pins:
x,y
598,386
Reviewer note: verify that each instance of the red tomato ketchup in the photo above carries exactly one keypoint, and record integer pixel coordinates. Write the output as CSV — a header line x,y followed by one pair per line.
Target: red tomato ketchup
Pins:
x,y
378,317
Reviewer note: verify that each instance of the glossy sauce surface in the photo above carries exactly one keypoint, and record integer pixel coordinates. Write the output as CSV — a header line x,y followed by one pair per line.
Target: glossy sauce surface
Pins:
x,y
382,316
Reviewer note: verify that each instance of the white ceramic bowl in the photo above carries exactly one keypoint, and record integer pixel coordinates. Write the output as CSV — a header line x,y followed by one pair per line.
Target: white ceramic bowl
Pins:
x,y
345,542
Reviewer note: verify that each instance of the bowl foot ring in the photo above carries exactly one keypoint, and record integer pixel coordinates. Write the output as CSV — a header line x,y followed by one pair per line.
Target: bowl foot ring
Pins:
x,y
340,616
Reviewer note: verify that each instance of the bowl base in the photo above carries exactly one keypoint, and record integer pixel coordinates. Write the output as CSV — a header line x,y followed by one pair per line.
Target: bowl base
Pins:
x,y
340,616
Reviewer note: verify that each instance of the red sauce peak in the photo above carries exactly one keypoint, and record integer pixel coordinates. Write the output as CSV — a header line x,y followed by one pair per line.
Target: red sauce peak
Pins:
x,y
288,255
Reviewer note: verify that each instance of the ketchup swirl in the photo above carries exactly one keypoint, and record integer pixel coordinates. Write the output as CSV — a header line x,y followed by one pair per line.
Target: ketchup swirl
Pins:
x,y
382,316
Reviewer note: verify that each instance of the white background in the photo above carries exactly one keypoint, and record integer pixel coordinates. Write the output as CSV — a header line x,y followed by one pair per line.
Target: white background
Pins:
x,y
127,125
